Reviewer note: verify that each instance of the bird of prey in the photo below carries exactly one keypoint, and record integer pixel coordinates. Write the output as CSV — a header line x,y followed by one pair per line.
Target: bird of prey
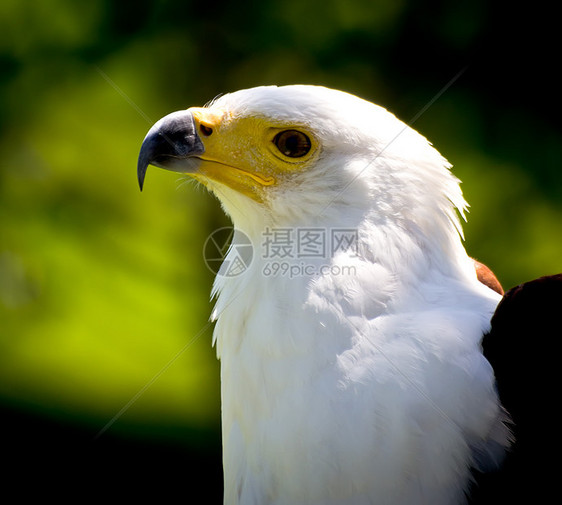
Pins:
x,y
352,368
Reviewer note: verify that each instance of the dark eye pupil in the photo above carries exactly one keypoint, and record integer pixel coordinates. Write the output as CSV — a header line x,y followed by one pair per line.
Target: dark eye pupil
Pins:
x,y
292,143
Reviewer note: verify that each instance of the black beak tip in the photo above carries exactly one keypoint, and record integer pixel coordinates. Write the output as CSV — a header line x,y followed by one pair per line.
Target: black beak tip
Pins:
x,y
146,156
141,172
170,144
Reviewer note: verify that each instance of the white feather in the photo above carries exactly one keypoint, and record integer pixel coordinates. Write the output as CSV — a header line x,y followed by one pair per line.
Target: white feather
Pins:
x,y
368,387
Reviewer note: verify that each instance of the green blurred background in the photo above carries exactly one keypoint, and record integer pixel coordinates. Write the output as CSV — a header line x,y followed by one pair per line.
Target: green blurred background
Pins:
x,y
104,296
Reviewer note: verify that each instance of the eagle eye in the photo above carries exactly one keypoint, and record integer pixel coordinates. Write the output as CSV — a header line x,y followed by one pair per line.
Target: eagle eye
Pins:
x,y
292,143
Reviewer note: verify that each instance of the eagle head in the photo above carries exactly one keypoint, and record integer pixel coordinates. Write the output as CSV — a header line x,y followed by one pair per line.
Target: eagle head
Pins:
x,y
306,155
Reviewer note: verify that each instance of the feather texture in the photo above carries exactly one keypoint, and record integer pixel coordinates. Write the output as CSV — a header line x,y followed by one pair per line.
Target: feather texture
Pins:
x,y
363,384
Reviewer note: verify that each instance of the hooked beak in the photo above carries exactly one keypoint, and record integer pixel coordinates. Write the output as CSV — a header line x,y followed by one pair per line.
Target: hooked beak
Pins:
x,y
172,143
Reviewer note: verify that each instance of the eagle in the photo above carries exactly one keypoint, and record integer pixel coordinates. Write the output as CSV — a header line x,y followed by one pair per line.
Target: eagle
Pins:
x,y
352,344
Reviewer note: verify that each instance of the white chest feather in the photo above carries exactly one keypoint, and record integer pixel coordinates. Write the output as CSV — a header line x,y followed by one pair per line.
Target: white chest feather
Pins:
x,y
334,393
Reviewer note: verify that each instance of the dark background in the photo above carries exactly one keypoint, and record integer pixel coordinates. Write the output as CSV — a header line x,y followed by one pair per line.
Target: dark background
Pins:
x,y
108,382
